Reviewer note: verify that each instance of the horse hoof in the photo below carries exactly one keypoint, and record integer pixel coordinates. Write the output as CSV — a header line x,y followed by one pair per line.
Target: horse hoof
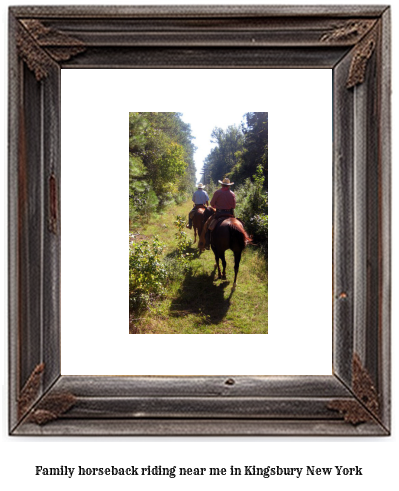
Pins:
x,y
234,285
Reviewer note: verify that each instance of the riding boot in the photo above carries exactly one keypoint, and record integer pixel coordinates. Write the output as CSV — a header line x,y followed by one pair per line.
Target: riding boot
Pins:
x,y
190,223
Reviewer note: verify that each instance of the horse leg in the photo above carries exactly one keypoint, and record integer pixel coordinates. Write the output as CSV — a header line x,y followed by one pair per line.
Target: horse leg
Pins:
x,y
217,263
237,259
224,265
195,235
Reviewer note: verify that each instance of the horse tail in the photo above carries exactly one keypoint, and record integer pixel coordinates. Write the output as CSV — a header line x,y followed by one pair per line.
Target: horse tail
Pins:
x,y
242,236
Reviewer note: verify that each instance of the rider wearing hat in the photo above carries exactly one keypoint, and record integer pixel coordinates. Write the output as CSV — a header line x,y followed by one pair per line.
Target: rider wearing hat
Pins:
x,y
200,199
224,200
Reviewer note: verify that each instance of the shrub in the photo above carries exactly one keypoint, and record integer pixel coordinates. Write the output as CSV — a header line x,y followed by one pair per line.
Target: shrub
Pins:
x,y
252,206
258,227
183,243
181,197
142,205
147,273
210,188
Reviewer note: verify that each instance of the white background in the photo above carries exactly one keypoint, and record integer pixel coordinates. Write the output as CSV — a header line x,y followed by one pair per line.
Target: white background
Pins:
x,y
94,267
377,456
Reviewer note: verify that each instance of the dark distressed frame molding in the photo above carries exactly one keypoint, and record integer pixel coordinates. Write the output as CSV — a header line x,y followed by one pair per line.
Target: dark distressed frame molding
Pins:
x,y
353,41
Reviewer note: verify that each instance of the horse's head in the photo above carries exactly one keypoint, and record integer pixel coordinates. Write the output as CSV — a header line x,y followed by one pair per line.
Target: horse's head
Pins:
x,y
209,211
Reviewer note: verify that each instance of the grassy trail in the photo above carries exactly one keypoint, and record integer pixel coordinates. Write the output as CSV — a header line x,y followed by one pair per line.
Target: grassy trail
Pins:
x,y
199,303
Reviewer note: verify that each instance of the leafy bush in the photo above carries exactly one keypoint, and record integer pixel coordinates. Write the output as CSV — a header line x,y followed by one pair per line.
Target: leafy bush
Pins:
x,y
181,197
147,273
183,243
258,227
142,206
252,206
210,189
259,224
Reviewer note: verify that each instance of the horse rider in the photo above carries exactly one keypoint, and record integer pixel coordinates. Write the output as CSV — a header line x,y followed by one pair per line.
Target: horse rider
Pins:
x,y
224,200
200,200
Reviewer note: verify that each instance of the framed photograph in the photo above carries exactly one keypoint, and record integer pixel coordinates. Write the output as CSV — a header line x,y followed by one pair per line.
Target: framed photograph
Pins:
x,y
47,45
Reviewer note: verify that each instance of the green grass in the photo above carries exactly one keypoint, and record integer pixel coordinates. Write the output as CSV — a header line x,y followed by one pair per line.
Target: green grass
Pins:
x,y
197,302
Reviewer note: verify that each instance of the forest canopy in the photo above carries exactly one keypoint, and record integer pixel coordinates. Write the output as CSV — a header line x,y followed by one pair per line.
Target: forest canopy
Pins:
x,y
239,150
161,161
241,154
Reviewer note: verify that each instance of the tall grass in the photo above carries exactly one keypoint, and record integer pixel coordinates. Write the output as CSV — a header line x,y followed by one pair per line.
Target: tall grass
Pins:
x,y
194,301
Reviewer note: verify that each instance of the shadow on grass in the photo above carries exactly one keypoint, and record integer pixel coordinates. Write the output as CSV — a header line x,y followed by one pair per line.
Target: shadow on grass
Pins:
x,y
191,250
199,295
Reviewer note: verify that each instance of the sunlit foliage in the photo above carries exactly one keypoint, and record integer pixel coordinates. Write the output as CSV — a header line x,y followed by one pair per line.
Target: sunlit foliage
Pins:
x,y
161,162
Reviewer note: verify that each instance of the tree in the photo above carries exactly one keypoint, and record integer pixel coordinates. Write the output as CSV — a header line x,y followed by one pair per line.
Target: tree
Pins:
x,y
161,160
256,146
225,155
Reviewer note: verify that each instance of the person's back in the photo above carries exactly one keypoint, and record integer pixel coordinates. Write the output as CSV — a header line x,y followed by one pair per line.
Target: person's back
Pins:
x,y
200,198
224,200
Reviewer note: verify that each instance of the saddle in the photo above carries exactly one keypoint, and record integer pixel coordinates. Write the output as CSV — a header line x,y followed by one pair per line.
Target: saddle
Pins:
x,y
194,211
214,221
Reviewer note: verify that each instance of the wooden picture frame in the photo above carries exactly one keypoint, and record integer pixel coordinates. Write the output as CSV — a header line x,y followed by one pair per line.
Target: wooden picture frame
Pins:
x,y
353,41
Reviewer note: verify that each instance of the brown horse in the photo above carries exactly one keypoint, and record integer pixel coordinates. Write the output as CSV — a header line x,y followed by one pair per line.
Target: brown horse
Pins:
x,y
228,234
198,222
